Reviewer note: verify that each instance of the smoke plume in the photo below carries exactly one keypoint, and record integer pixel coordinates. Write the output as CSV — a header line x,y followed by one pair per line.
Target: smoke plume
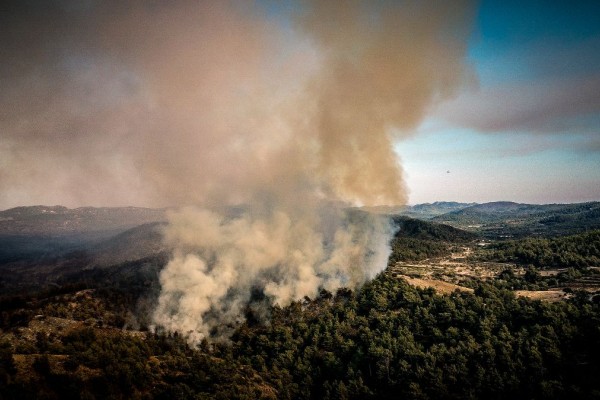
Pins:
x,y
266,123
222,262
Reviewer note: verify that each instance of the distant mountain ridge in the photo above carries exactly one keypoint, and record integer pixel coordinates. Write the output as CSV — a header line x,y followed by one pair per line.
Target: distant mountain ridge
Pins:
x,y
59,220
38,234
420,211
105,222
436,208
518,219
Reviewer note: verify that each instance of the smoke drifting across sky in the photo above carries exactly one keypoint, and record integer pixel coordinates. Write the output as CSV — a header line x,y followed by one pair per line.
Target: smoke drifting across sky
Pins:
x,y
186,102
216,104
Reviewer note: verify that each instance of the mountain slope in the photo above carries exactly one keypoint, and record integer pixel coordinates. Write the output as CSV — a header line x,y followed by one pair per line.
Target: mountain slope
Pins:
x,y
58,220
418,240
508,219
136,243
425,230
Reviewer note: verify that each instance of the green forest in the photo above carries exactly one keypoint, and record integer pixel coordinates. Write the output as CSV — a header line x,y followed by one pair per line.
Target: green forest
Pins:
x,y
88,336
418,240
575,251
387,340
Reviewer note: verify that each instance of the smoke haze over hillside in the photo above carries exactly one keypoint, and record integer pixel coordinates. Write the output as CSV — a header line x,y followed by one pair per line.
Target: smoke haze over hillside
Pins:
x,y
216,104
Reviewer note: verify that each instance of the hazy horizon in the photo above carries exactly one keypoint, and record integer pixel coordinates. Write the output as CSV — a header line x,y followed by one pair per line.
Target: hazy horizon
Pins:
x,y
391,206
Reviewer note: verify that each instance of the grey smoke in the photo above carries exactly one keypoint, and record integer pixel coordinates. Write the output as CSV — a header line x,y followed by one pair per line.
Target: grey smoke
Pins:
x,y
213,105
220,261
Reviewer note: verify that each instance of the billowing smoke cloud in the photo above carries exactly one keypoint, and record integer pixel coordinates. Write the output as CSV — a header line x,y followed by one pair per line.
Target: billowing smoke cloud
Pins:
x,y
146,103
222,262
267,123
384,64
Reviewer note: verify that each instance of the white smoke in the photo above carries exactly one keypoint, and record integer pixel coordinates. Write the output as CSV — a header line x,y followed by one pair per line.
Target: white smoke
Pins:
x,y
298,159
221,261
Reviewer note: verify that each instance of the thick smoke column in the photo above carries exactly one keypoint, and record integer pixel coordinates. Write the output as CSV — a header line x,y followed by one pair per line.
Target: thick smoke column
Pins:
x,y
370,75
268,125
220,262
384,63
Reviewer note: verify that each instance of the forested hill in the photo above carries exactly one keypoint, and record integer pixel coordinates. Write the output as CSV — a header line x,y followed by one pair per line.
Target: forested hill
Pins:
x,y
582,250
386,341
508,219
497,211
84,333
423,230
419,240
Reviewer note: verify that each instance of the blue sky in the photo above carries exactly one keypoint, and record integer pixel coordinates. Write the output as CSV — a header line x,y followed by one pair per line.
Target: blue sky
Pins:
x,y
528,128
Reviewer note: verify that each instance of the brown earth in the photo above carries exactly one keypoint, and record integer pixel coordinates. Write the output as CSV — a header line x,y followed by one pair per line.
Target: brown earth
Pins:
x,y
448,274
440,287
550,295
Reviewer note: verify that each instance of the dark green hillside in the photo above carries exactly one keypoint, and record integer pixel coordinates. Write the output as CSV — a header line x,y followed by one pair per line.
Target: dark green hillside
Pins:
x,y
418,240
422,230
573,217
34,248
576,251
136,243
40,245
385,341
69,330
507,219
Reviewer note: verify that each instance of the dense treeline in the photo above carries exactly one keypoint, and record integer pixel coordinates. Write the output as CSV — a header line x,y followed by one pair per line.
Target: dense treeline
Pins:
x,y
419,240
409,249
416,229
577,251
388,340
392,341
89,363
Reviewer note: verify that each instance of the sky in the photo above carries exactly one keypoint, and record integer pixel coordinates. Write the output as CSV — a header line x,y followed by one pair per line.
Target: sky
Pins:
x,y
528,128
104,103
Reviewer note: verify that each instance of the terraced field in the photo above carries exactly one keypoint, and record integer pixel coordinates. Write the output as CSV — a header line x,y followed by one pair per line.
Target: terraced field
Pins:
x,y
460,271
458,268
